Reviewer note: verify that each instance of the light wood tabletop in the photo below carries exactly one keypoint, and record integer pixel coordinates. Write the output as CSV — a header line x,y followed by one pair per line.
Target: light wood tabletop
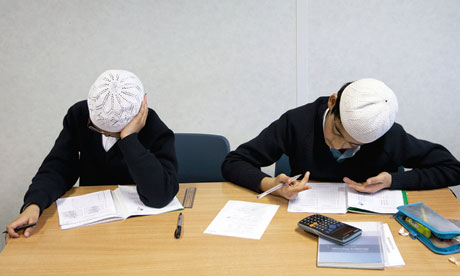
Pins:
x,y
146,245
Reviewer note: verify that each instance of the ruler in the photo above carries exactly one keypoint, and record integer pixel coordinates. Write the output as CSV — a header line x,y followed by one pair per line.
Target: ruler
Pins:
x,y
189,197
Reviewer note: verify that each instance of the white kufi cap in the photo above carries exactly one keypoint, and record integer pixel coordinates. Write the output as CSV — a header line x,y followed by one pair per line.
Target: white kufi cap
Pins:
x,y
114,99
368,109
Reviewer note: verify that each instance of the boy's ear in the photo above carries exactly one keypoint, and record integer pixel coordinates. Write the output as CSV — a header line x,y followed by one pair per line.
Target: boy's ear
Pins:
x,y
332,100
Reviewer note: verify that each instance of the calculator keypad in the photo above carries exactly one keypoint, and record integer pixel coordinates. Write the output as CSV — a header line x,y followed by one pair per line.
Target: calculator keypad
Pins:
x,y
329,228
321,223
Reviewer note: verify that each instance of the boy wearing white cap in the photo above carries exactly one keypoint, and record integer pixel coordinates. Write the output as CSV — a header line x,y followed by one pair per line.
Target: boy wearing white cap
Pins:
x,y
350,136
112,138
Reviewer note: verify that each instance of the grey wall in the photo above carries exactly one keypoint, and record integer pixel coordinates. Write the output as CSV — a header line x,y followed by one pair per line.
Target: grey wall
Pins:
x,y
224,67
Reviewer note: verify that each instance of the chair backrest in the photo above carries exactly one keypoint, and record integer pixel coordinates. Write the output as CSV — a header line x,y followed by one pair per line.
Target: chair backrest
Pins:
x,y
282,165
200,157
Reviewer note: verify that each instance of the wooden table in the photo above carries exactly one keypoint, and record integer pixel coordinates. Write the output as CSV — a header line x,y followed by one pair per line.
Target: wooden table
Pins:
x,y
146,245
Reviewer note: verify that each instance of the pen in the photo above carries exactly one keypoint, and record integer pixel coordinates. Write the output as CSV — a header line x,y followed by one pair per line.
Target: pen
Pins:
x,y
277,187
179,227
21,227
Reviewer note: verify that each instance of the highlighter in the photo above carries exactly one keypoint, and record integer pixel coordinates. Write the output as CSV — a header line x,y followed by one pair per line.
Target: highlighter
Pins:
x,y
420,228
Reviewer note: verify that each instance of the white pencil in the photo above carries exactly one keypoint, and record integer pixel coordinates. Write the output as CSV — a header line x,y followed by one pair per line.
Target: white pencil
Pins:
x,y
277,187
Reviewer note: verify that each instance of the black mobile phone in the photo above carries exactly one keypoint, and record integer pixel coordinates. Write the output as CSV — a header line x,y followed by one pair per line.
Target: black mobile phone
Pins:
x,y
330,229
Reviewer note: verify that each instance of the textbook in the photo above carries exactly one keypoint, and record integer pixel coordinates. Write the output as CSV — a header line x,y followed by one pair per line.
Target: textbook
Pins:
x,y
337,198
106,206
365,252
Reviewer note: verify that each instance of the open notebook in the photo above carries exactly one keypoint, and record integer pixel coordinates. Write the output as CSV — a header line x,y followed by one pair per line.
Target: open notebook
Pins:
x,y
338,198
105,206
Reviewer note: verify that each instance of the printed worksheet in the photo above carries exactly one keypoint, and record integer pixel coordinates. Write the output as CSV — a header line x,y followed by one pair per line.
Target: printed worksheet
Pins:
x,y
321,198
106,206
129,204
86,209
383,201
242,219
337,198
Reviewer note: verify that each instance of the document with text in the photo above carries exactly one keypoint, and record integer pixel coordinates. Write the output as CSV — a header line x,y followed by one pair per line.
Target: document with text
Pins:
x,y
106,206
365,252
338,198
375,249
242,219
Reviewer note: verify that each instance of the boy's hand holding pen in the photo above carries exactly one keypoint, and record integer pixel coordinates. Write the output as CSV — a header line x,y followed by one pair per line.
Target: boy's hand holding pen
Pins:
x,y
287,187
22,227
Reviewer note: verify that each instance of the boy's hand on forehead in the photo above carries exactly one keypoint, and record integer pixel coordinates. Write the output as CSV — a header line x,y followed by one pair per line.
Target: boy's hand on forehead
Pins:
x,y
138,122
372,184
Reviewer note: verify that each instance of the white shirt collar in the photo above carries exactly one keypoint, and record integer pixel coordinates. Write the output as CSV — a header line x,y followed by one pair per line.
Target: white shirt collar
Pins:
x,y
108,142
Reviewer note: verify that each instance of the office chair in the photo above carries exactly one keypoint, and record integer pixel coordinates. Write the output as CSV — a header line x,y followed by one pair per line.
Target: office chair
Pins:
x,y
282,165
200,157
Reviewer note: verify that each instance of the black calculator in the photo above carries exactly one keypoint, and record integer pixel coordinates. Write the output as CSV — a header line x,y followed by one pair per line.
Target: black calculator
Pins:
x,y
330,229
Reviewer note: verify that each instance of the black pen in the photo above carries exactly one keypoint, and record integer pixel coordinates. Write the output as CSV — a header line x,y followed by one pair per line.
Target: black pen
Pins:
x,y
179,227
21,227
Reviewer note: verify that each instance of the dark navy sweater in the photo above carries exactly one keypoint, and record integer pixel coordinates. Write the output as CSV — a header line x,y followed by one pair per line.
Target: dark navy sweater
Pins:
x,y
298,133
147,159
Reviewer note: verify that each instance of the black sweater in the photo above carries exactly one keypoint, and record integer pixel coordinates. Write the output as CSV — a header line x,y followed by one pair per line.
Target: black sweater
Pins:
x,y
298,133
147,159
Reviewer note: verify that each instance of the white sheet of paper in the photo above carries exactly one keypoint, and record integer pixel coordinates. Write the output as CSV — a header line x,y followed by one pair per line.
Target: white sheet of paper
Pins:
x,y
322,198
383,201
242,219
392,255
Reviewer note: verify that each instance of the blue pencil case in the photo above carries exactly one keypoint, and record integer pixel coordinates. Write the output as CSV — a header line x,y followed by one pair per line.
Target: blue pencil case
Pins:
x,y
440,235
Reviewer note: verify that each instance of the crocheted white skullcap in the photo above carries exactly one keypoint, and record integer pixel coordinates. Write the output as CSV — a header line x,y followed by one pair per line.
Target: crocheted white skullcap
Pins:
x,y
114,99
368,109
